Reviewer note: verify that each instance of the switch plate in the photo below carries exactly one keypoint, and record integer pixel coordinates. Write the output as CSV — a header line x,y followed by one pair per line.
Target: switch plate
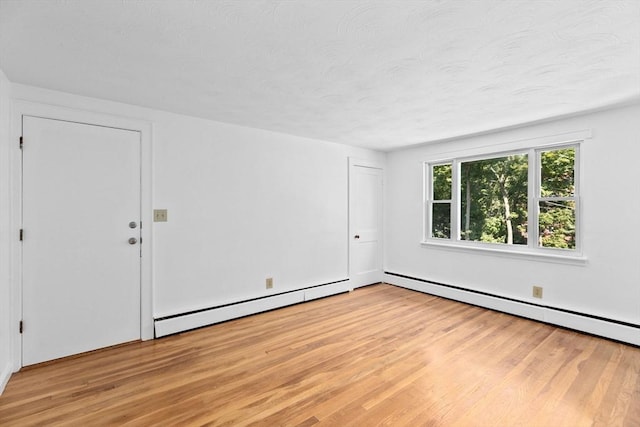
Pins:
x,y
159,215
269,282
537,291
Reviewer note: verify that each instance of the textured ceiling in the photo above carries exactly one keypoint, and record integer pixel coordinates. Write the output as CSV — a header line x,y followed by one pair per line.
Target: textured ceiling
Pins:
x,y
378,74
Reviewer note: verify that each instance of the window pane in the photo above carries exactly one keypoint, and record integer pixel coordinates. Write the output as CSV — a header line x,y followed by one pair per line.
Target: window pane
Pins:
x,y
557,224
493,200
441,220
557,173
441,182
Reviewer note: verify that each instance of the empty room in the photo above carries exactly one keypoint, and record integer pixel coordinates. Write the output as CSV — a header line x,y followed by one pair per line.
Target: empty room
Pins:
x,y
319,212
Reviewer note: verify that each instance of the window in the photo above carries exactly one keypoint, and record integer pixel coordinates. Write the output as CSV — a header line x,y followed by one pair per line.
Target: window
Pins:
x,y
494,200
524,200
441,201
556,199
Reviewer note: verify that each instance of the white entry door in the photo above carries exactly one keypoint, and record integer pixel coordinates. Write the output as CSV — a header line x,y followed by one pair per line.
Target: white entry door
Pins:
x,y
81,239
365,224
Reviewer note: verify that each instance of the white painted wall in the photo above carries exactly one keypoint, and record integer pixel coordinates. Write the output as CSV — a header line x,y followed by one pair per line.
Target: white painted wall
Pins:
x,y
608,285
243,204
5,235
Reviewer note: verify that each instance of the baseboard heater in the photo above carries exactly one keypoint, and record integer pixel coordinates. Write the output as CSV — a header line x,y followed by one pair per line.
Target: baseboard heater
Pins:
x,y
195,319
608,328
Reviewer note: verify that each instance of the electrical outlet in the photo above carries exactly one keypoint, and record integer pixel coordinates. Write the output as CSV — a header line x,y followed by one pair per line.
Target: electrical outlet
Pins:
x,y
537,291
159,215
269,282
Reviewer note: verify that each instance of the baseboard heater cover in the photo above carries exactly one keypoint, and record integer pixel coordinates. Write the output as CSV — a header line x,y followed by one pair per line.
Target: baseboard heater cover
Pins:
x,y
200,318
613,329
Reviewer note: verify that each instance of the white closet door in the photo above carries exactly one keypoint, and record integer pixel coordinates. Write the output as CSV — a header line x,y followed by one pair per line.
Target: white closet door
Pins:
x,y
365,225
81,242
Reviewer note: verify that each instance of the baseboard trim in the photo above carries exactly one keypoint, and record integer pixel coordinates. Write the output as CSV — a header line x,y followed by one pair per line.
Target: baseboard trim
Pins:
x,y
197,319
613,329
5,376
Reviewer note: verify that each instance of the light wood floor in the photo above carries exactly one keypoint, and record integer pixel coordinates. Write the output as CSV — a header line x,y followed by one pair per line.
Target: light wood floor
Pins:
x,y
380,355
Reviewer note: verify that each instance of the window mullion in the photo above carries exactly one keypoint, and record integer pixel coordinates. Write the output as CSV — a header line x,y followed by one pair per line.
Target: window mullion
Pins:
x,y
557,199
426,201
533,191
455,200
577,166
428,219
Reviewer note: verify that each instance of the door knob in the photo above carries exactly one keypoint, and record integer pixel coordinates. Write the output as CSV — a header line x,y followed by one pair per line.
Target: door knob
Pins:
x,y
357,236
133,224
133,241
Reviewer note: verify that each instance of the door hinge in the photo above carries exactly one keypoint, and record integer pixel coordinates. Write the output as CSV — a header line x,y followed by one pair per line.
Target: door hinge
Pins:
x,y
21,327
21,142
21,234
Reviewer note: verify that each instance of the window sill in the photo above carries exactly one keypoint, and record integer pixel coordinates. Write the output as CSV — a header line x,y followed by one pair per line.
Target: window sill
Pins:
x,y
524,253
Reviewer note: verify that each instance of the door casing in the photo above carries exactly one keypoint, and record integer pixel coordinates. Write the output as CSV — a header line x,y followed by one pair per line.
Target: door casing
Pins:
x,y
26,108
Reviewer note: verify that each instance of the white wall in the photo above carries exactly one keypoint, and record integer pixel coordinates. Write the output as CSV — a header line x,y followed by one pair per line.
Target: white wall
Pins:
x,y
5,235
243,205
608,285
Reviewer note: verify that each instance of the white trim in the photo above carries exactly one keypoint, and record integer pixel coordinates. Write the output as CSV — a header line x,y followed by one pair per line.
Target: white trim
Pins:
x,y
578,322
27,108
336,282
327,290
533,192
561,256
426,190
216,315
367,163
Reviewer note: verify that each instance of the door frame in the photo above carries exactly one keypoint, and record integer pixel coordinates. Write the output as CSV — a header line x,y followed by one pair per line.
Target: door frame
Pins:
x,y
373,164
27,108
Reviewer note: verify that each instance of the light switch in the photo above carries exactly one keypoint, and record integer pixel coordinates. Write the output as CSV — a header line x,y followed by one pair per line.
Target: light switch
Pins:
x,y
159,215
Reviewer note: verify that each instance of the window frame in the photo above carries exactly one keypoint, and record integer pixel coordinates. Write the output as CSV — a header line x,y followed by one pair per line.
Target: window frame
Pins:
x,y
537,197
431,201
532,249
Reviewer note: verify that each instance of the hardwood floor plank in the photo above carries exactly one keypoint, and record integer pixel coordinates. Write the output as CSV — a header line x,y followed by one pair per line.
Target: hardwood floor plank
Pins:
x,y
380,355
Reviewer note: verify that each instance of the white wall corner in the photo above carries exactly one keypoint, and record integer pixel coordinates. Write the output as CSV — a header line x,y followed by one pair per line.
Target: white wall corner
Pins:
x,y
6,232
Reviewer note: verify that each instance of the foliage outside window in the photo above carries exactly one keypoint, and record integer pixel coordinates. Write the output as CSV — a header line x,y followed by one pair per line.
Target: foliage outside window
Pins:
x,y
525,199
441,201
557,199
494,200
